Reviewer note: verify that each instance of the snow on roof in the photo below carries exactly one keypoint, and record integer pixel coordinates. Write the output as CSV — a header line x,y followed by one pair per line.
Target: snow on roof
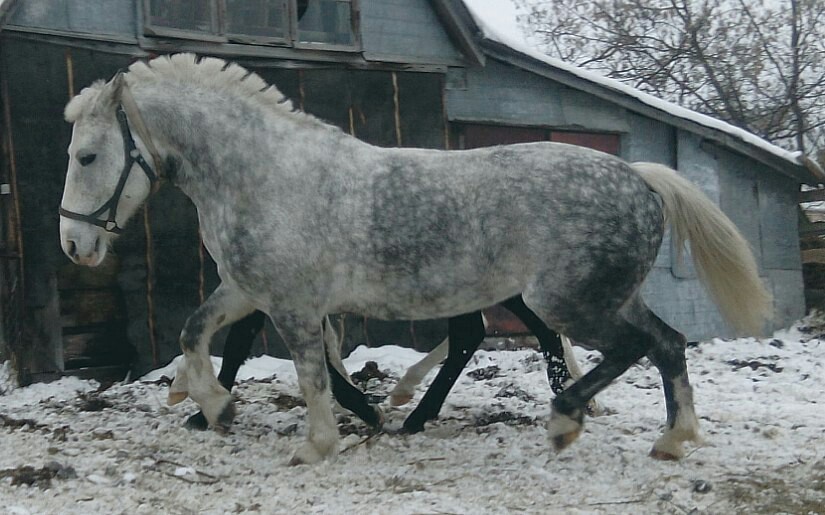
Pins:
x,y
497,21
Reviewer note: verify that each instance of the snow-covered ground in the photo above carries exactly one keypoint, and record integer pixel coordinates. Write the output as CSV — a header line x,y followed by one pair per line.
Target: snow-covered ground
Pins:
x,y
123,450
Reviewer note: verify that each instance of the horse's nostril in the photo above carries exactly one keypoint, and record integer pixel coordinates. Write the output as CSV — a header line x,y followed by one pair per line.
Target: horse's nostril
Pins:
x,y
72,249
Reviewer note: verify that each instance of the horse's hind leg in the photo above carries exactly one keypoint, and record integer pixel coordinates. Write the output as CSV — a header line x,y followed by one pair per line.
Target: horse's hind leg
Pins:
x,y
558,373
235,351
195,376
622,344
465,334
669,357
405,388
562,369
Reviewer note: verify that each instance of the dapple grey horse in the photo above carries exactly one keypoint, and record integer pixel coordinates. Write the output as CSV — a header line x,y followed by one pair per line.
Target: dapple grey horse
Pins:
x,y
304,220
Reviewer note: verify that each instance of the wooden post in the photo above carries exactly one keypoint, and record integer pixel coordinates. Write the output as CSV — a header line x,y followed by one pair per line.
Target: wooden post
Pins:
x,y
150,286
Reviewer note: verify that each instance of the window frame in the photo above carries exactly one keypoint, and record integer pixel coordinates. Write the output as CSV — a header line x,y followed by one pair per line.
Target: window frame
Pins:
x,y
355,18
219,33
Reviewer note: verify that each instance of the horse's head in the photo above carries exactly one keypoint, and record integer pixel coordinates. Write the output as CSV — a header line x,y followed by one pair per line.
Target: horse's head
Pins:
x,y
101,192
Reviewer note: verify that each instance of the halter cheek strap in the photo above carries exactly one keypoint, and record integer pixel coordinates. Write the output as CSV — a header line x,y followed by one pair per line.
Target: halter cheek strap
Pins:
x,y
131,155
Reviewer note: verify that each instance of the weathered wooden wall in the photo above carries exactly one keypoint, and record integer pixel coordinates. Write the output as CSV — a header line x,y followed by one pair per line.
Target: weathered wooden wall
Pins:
x,y
159,272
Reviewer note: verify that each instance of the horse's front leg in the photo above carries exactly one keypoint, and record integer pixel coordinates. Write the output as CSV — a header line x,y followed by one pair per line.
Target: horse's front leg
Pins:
x,y
195,376
235,351
304,339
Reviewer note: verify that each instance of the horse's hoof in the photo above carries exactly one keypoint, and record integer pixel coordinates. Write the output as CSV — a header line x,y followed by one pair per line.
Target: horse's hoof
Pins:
x,y
378,421
660,455
412,427
400,399
307,454
197,422
562,441
225,418
176,397
562,430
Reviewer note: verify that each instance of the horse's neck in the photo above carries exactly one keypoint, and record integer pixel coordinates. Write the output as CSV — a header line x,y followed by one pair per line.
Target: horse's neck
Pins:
x,y
215,148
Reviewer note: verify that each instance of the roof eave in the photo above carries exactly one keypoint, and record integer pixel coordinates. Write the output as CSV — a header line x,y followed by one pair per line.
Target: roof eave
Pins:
x,y
461,28
512,56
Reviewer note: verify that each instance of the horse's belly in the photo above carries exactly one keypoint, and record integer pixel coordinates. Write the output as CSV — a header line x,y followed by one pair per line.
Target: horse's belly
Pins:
x,y
410,299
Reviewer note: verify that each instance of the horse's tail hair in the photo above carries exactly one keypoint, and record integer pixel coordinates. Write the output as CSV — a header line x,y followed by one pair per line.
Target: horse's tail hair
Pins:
x,y
721,255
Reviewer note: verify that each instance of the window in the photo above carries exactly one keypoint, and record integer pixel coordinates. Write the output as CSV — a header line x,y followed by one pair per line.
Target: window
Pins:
x,y
326,22
323,24
185,15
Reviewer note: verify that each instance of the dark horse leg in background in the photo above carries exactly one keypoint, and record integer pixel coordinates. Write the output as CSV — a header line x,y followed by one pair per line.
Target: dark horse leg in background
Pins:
x,y
466,332
236,350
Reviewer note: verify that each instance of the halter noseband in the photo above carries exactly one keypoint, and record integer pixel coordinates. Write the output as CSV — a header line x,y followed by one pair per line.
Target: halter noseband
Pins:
x,y
132,155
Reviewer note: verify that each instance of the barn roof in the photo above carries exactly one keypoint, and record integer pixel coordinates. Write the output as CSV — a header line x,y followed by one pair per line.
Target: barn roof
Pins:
x,y
494,36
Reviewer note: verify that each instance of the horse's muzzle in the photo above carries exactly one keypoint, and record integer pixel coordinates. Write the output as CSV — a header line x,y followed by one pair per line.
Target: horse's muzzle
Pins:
x,y
87,248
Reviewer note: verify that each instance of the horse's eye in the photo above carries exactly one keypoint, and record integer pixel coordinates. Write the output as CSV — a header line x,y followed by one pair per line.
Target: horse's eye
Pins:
x,y
87,159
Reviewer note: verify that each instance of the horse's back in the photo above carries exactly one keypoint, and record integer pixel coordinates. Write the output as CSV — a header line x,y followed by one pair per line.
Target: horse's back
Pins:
x,y
502,218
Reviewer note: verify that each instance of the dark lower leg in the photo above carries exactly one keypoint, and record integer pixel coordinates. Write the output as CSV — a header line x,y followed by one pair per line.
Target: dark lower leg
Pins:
x,y
352,398
627,347
466,332
236,349
557,373
682,424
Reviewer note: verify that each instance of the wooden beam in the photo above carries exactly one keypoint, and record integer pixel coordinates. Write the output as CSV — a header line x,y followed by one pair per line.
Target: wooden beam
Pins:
x,y
814,229
813,256
812,195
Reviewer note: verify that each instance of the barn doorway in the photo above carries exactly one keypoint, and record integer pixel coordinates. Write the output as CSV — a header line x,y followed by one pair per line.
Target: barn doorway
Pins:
x,y
94,322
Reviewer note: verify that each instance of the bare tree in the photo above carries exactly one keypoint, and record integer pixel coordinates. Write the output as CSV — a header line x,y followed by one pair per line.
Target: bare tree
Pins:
x,y
757,64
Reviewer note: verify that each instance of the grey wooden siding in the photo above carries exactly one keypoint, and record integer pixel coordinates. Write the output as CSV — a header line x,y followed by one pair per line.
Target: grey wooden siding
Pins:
x,y
501,93
653,141
405,30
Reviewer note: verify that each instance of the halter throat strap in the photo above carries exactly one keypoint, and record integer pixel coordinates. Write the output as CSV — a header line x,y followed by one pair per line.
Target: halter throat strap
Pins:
x,y
132,155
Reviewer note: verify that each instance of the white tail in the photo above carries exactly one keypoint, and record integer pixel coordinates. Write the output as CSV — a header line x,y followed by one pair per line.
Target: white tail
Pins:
x,y
722,257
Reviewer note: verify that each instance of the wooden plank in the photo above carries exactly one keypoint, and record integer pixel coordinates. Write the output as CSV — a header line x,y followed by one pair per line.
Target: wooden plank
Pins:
x,y
812,195
814,229
813,256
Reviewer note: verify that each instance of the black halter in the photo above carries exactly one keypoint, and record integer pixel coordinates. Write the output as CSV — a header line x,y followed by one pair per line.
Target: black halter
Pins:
x,y
132,156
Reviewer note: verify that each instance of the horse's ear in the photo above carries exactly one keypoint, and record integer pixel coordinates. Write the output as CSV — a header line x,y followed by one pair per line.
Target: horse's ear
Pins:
x,y
109,97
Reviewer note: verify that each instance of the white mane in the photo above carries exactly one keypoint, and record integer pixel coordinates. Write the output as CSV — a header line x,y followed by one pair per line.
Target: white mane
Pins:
x,y
212,73
87,96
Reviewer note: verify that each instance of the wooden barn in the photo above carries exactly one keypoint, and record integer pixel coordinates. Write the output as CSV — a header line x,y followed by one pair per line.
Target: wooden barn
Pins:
x,y
423,73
